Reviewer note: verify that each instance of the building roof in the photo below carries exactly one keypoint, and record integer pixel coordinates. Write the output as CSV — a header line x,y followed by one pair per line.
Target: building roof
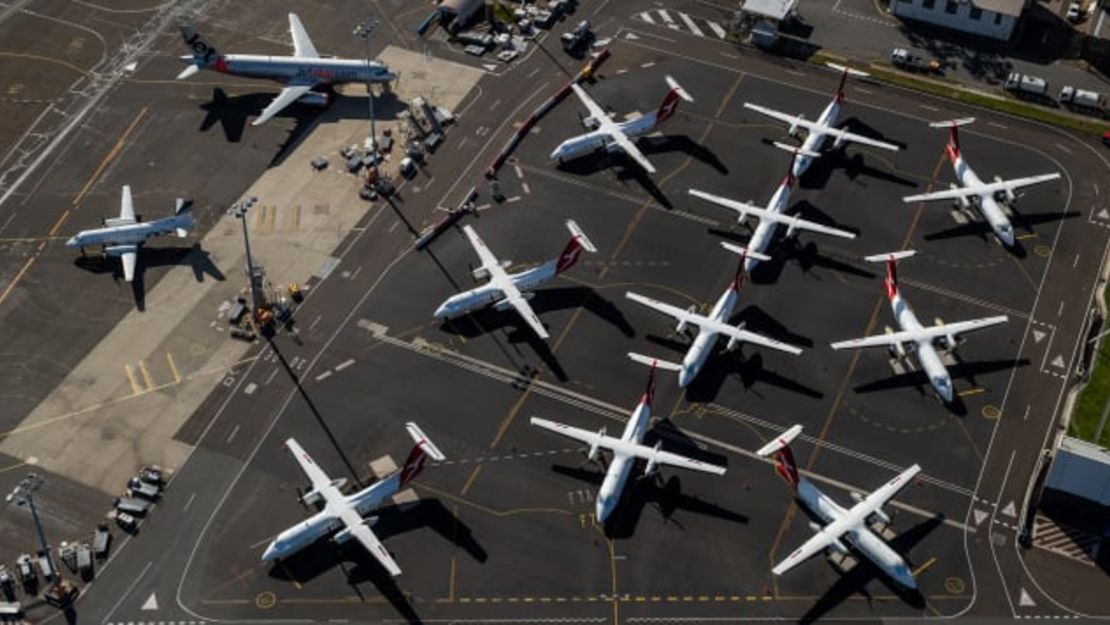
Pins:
x,y
773,9
460,6
1005,7
1086,450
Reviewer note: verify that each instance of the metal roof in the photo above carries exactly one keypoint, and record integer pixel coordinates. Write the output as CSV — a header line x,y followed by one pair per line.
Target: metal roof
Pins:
x,y
774,9
1005,7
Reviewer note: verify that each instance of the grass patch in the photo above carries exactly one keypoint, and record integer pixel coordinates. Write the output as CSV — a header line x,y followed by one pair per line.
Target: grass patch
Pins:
x,y
1003,104
503,13
1092,399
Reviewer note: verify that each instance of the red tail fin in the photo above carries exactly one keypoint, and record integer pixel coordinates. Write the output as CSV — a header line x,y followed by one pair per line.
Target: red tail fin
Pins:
x,y
649,393
738,279
414,464
891,282
952,149
569,256
786,467
840,88
667,108
789,180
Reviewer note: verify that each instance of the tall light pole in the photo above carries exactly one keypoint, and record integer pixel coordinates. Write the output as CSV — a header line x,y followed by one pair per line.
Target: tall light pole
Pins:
x,y
23,494
239,210
363,30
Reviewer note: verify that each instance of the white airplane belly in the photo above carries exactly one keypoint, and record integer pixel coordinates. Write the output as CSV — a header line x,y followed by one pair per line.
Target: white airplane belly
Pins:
x,y
760,241
697,354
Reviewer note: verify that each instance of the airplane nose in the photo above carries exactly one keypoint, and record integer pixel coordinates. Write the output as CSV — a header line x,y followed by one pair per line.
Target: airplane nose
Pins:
x,y
685,376
442,312
72,242
271,553
906,578
603,509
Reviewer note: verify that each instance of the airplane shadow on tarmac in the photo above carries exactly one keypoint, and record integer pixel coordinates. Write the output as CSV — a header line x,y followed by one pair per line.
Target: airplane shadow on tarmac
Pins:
x,y
959,371
324,554
664,494
196,257
977,227
856,580
625,169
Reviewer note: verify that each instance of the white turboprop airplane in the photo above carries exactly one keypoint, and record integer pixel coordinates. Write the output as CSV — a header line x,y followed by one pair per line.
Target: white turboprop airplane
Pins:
x,y
972,190
512,290
628,448
617,136
714,324
347,511
303,73
913,333
841,525
825,126
771,217
123,235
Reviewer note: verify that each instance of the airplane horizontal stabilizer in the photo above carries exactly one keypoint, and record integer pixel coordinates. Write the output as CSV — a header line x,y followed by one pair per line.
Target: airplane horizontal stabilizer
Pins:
x,y
882,258
780,441
655,362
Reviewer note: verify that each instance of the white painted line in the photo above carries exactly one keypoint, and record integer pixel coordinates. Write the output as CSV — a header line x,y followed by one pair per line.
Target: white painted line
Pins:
x,y
717,30
314,322
646,16
731,56
250,389
997,125
234,431
1076,263
647,65
532,73
393,227
496,103
1063,148
461,143
622,71
928,108
185,508
527,190
691,25
343,365
142,574
270,378
519,173
795,72
667,18
323,376
1060,310
515,198
862,90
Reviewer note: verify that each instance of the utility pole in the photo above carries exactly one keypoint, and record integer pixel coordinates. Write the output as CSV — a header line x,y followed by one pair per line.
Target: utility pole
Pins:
x,y
23,494
363,30
254,274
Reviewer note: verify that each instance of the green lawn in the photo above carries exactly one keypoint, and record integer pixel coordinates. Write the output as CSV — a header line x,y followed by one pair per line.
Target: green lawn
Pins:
x,y
1089,406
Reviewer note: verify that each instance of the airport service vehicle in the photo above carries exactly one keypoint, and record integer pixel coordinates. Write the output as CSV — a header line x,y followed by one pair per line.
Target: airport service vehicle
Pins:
x,y
1081,98
825,125
122,236
505,290
712,325
905,59
1075,11
841,528
131,505
773,215
1020,83
305,73
606,134
911,332
101,539
143,489
84,560
973,191
629,447
347,511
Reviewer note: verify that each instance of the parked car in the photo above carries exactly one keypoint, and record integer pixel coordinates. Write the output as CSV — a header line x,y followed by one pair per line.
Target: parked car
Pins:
x,y
143,489
101,540
1075,11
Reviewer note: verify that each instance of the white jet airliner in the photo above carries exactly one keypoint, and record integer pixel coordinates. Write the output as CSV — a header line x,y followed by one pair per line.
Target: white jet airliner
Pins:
x,y
972,190
771,217
617,136
841,525
123,235
913,333
505,290
714,324
628,448
825,126
347,511
303,73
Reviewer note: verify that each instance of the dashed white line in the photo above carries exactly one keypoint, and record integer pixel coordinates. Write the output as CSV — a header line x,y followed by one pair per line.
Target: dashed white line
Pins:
x,y
1076,263
862,90
496,103
667,18
527,190
185,508
928,108
1063,148
315,321
396,222
461,143
343,365
647,65
270,378
717,30
250,389
234,431
646,16
532,73
1060,310
323,376
997,125
691,25
515,198
519,173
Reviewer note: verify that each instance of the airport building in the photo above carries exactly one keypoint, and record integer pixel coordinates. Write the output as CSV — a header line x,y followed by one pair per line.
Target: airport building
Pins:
x,y
997,19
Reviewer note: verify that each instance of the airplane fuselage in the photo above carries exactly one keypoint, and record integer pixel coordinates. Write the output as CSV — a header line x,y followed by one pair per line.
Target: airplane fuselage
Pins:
x,y
298,70
597,139
926,353
488,294
129,234
853,527
616,476
764,232
816,139
706,339
987,205
326,521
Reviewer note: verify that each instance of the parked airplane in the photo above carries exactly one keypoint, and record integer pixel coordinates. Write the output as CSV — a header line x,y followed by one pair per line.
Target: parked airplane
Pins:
x,y
347,511
617,136
123,235
911,331
713,324
512,290
825,126
304,73
972,190
774,214
843,528
628,448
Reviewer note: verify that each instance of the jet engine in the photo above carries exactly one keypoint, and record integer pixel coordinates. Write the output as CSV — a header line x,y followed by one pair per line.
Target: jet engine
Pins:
x,y
681,327
650,468
590,123
594,449
315,99
1006,194
118,250
961,201
733,342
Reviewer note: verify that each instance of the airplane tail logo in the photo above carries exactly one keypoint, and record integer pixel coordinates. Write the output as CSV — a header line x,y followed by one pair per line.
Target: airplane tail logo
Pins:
x,y
414,464
204,53
667,108
840,88
786,467
738,279
891,281
649,393
952,149
569,256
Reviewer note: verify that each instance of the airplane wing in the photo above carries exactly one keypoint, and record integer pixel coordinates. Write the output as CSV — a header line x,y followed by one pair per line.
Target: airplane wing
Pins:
x,y
578,434
983,189
489,261
816,543
302,45
126,206
927,333
514,298
316,476
793,222
672,459
288,95
879,497
129,259
811,126
606,125
498,278
706,323
356,528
